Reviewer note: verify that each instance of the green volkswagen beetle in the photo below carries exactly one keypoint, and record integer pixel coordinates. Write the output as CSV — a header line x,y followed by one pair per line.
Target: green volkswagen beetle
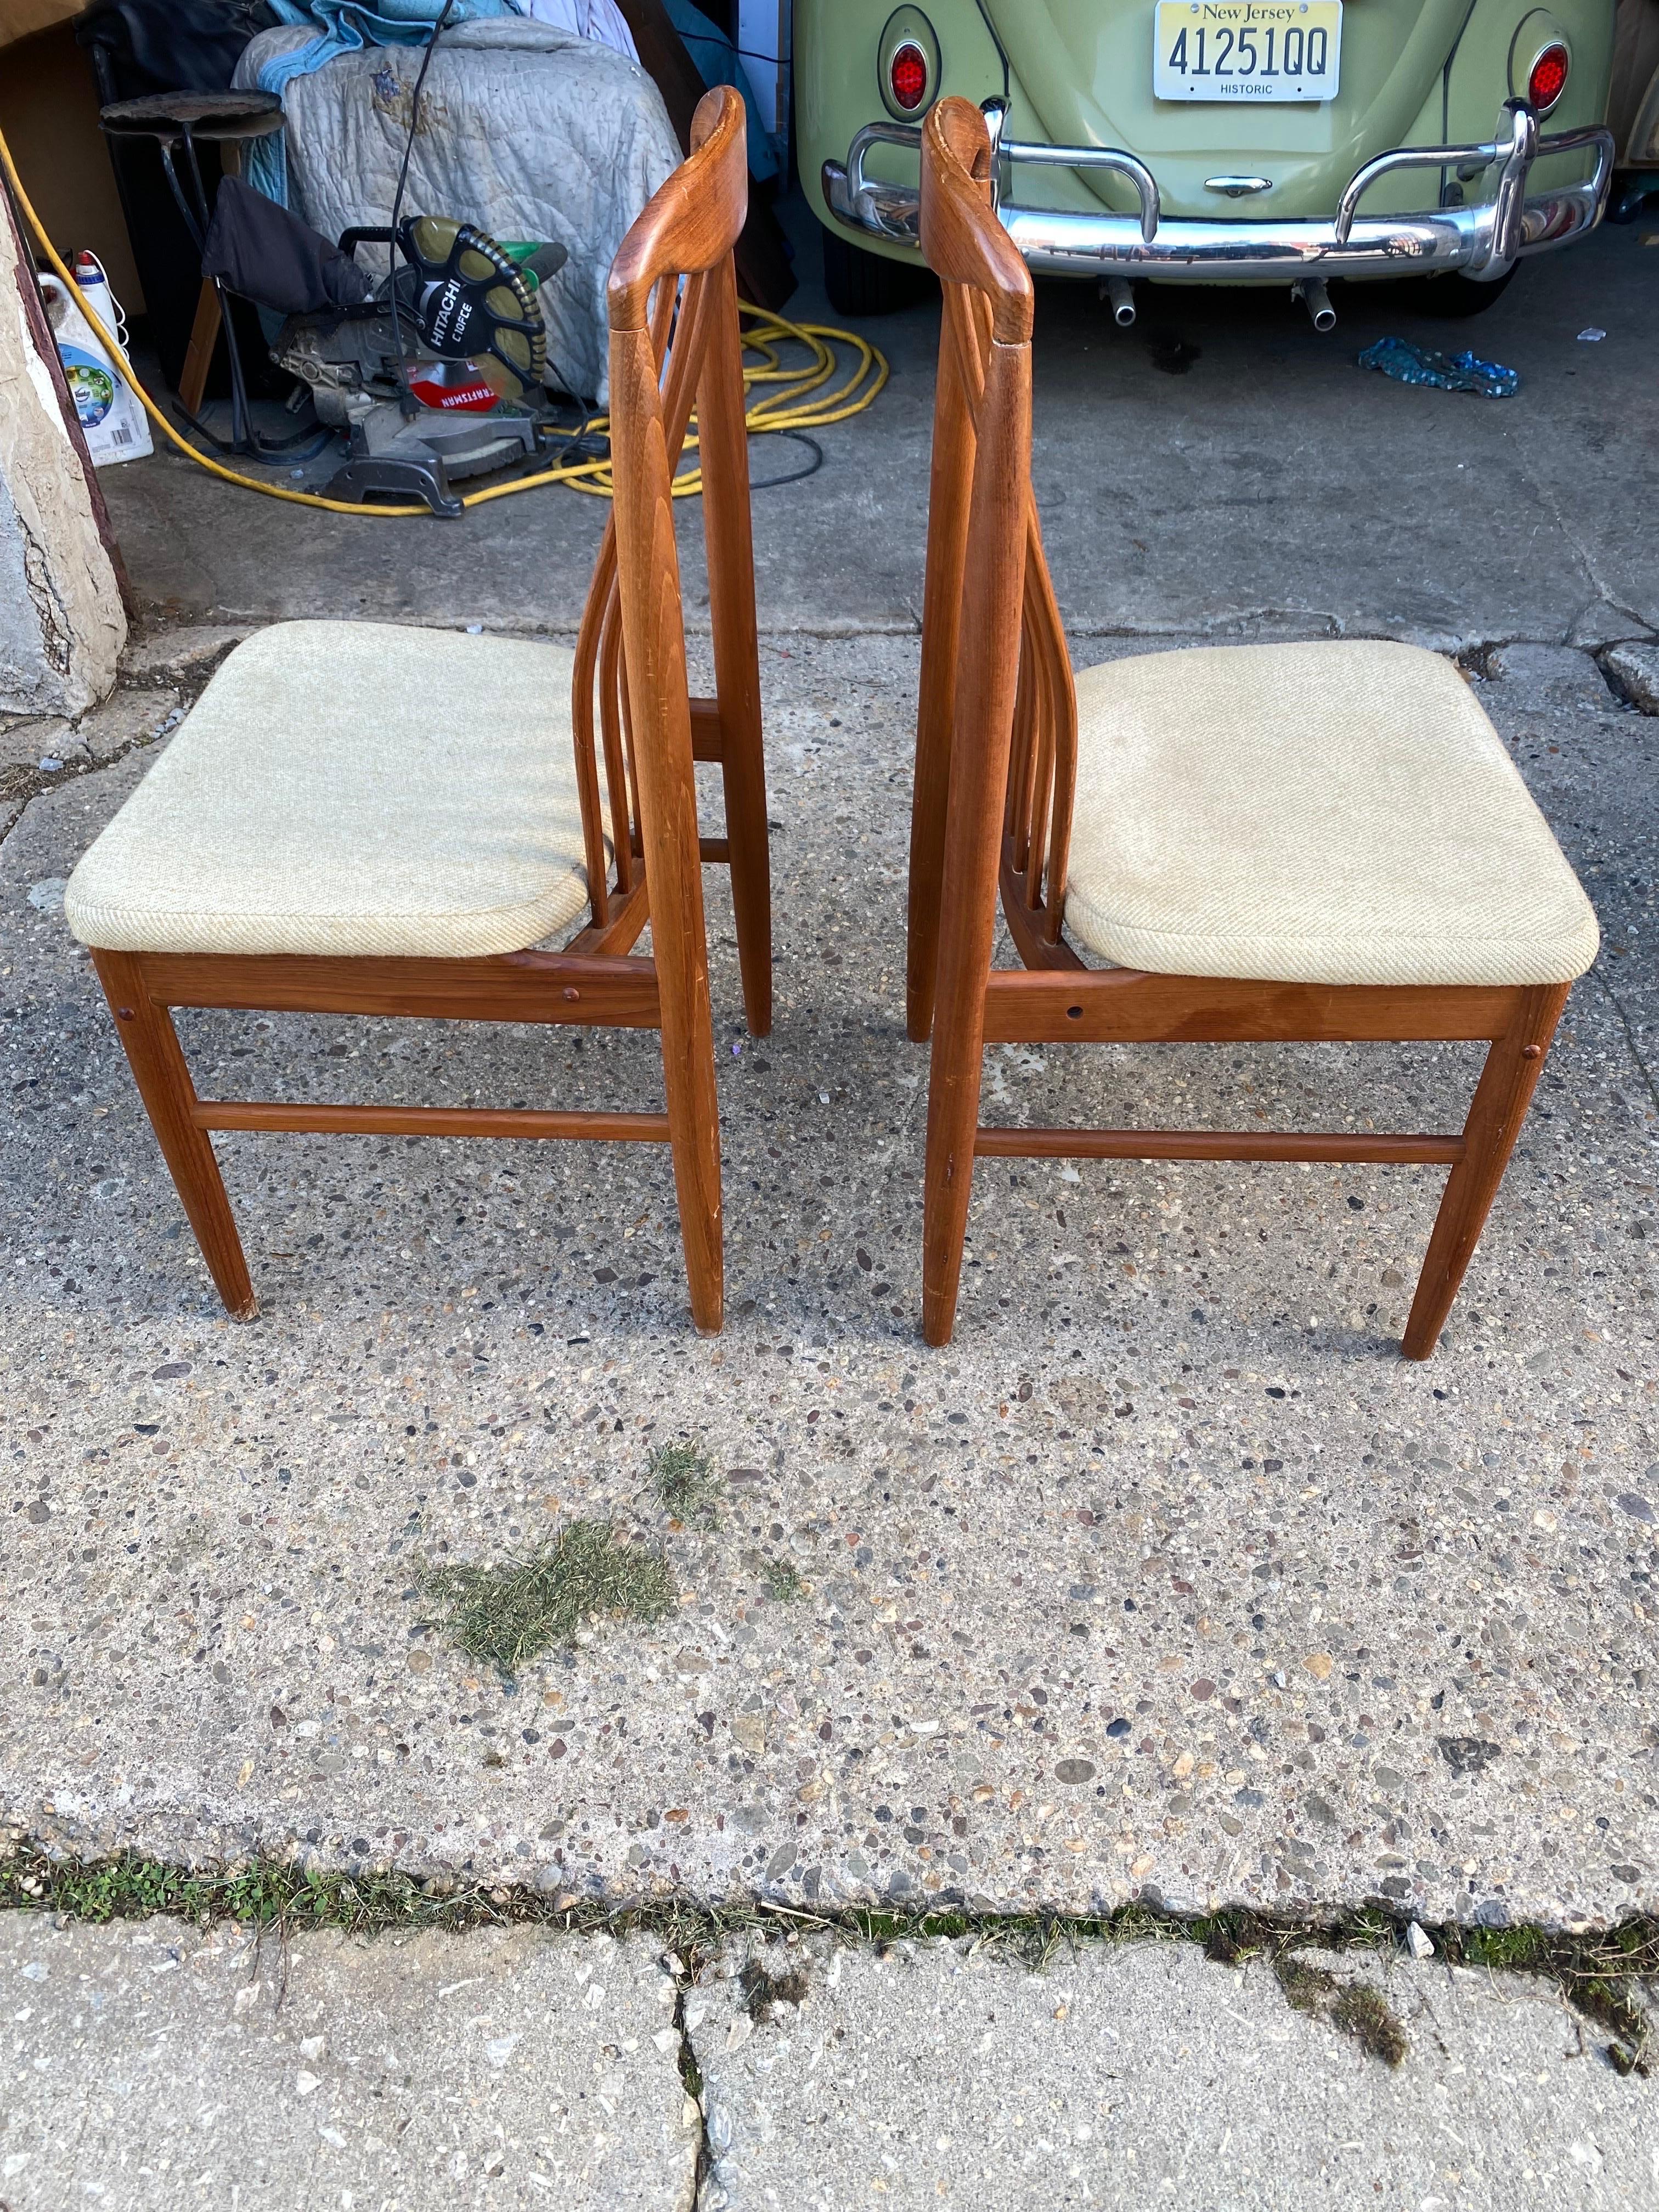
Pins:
x,y
1227,142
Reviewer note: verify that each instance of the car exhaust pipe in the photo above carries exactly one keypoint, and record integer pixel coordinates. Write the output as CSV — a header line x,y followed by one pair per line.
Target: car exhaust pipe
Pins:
x,y
1121,294
1310,290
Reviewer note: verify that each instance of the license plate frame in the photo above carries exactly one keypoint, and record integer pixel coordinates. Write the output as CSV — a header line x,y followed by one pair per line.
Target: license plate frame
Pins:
x,y
1198,45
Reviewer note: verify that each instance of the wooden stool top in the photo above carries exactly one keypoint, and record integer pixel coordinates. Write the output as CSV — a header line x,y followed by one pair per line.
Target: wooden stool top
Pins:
x,y
210,115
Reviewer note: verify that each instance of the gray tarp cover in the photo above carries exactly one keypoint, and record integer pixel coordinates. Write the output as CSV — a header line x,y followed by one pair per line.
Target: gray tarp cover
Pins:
x,y
525,130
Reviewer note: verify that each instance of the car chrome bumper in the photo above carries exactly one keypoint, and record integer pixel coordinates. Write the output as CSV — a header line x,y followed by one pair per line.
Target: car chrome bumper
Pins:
x,y
1483,239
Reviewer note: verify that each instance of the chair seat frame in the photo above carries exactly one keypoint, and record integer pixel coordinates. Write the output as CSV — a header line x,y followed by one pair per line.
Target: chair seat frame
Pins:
x,y
995,779
675,342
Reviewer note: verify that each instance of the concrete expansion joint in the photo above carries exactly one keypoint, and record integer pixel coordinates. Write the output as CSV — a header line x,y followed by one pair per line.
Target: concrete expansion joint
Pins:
x,y
769,1953
1302,622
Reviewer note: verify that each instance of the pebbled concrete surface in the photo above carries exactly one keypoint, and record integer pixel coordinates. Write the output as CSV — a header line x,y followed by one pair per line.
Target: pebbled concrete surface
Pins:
x,y
1169,1578
1148,2075
152,2065
1271,488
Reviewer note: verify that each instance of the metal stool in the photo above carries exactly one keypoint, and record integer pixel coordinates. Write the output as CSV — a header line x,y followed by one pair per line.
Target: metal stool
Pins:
x,y
227,120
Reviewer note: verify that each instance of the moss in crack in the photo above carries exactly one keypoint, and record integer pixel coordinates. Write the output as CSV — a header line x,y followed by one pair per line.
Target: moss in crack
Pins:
x,y
1307,1989
1230,1938
1352,2009
1363,2012
1598,1975
762,1990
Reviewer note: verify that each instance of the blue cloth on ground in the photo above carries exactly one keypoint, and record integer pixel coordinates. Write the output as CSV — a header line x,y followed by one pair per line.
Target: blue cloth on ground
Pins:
x,y
1446,372
343,27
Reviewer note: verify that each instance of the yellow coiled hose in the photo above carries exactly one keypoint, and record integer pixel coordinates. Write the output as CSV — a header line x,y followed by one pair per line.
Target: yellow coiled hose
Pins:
x,y
796,398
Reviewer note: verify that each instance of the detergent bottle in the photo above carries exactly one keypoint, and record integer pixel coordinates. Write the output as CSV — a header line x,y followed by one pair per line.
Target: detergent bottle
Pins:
x,y
113,421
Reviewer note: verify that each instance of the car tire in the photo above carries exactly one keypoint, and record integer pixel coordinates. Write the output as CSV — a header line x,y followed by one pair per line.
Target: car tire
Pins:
x,y
1454,296
860,283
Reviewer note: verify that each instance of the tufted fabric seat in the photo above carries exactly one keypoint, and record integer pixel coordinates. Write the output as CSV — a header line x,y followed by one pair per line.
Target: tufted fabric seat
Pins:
x,y
349,788
1327,813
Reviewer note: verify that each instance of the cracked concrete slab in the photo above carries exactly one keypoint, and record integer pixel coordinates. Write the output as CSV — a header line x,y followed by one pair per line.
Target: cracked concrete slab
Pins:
x,y
937,2074
1273,489
24,739
135,715
1635,668
152,2064
1169,1578
132,715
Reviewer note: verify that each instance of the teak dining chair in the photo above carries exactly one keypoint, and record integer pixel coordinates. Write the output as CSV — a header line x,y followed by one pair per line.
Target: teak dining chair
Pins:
x,y
1322,841
367,819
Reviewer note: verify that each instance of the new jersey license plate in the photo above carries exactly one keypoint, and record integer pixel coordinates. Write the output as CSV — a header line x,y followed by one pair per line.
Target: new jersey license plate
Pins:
x,y
1247,50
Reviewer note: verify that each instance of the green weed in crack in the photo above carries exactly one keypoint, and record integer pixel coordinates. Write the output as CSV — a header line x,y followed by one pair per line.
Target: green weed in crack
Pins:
x,y
510,1613
685,1483
1600,1975
782,1580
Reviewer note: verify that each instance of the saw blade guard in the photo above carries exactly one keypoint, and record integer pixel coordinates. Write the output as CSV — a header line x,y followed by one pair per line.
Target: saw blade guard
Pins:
x,y
468,301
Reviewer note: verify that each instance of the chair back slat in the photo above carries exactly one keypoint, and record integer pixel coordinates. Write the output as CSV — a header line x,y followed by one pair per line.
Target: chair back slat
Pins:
x,y
619,778
988,310
596,613
671,283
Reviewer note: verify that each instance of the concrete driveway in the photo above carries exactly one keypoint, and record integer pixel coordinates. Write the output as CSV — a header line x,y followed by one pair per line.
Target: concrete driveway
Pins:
x,y
1268,488
1169,1581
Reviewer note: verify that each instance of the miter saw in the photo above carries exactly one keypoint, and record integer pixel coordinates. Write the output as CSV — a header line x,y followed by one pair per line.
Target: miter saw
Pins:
x,y
433,371
464,303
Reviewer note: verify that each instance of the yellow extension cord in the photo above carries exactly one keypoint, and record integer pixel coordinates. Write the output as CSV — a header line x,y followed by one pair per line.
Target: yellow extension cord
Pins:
x,y
763,334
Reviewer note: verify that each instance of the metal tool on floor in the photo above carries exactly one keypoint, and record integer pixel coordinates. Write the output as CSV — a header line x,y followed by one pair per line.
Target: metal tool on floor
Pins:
x,y
433,373
464,302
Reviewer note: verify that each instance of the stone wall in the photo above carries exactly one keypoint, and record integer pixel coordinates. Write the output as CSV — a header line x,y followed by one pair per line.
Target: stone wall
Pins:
x,y
62,623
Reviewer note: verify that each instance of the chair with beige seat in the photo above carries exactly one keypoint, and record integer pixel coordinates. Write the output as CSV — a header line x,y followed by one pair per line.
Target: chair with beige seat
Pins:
x,y
1307,841
359,818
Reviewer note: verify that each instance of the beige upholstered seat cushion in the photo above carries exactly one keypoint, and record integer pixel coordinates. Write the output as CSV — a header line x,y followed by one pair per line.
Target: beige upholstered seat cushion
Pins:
x,y
1330,813
352,787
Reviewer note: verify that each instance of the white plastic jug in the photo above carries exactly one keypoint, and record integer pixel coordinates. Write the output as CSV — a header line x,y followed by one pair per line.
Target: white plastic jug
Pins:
x,y
114,424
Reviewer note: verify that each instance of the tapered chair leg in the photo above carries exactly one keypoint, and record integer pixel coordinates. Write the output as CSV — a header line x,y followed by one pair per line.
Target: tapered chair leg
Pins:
x,y
164,1085
1501,1099
687,1053
953,1085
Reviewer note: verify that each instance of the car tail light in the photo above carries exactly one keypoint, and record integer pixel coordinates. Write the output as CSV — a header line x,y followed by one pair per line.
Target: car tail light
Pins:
x,y
1548,80
908,75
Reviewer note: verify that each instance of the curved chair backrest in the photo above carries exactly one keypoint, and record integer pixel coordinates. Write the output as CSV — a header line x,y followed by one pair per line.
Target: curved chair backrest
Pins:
x,y
675,345
997,699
